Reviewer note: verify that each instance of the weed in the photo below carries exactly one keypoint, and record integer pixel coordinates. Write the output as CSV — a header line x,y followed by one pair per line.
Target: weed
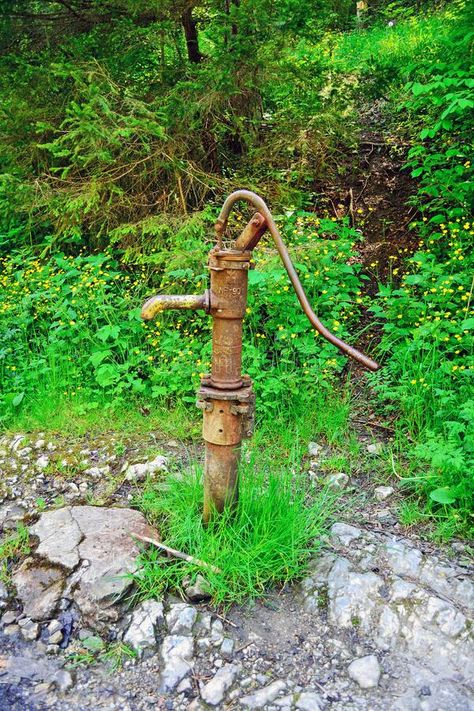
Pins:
x,y
336,463
12,549
323,597
116,654
93,649
411,514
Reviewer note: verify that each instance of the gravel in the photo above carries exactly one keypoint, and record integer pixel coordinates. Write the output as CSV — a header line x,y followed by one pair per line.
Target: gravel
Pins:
x,y
380,621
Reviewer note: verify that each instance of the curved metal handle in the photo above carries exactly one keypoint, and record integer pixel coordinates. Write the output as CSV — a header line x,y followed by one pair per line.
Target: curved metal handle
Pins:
x,y
261,206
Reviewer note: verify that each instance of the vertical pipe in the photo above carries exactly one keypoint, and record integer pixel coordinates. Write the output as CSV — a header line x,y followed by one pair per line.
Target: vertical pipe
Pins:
x,y
221,485
222,424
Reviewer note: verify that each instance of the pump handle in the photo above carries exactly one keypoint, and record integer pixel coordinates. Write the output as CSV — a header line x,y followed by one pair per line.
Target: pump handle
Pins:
x,y
262,208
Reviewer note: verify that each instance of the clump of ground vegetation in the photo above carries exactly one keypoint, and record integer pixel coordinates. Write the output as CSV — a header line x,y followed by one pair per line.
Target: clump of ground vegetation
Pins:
x,y
122,127
280,521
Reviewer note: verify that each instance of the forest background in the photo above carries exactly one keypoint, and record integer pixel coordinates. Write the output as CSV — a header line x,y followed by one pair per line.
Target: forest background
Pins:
x,y
123,126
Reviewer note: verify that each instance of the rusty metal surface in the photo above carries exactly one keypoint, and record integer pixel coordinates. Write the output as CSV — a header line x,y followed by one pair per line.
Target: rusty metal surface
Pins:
x,y
261,206
228,298
252,232
156,304
221,484
221,425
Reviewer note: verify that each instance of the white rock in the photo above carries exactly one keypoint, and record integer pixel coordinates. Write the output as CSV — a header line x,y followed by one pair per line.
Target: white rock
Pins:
x,y
9,617
55,637
217,633
365,671
73,489
30,631
39,587
11,630
352,595
62,549
42,462
177,654
199,591
63,680
54,626
180,618
403,559
183,686
338,481
98,472
389,628
146,618
138,472
227,647
204,622
98,544
314,449
214,691
345,533
264,696
375,448
309,701
383,492
450,621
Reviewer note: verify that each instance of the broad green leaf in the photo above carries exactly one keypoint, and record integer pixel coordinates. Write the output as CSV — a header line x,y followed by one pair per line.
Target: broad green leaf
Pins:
x,y
18,399
93,643
443,495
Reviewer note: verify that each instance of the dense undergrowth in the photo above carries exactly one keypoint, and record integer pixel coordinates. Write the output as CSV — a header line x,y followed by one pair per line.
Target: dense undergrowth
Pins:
x,y
116,150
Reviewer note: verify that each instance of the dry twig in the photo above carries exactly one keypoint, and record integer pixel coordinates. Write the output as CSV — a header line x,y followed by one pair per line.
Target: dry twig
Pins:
x,y
177,554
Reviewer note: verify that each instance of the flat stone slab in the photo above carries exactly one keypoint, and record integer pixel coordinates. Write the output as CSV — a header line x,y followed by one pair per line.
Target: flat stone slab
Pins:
x,y
86,553
39,587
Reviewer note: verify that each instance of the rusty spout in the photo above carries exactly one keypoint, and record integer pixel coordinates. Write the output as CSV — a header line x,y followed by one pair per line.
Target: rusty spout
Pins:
x,y
156,304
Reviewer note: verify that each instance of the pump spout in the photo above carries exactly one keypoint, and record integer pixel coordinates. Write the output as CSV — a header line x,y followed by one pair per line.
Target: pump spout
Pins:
x,y
156,304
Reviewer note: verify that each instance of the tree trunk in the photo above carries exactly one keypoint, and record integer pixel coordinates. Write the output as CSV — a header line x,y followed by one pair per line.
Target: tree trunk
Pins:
x,y
191,36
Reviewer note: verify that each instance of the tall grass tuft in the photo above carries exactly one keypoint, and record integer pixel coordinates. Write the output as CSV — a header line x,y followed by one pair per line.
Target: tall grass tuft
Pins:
x,y
279,523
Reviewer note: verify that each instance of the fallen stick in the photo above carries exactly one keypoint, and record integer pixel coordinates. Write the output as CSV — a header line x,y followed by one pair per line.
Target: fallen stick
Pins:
x,y
177,554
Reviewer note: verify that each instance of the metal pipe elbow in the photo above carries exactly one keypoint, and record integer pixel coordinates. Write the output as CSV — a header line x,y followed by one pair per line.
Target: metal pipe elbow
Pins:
x,y
164,302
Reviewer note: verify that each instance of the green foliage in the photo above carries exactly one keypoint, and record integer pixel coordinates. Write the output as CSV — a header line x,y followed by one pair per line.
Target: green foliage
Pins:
x,y
444,106
93,649
12,548
73,330
428,315
278,524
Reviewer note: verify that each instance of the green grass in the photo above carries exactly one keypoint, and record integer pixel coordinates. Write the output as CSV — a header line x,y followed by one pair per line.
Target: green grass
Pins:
x,y
13,547
279,523
397,45
56,413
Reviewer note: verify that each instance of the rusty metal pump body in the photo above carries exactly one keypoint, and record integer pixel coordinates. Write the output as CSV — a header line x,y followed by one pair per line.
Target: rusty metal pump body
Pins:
x,y
226,397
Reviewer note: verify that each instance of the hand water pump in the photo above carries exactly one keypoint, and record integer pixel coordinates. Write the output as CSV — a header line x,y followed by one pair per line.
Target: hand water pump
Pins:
x,y
226,396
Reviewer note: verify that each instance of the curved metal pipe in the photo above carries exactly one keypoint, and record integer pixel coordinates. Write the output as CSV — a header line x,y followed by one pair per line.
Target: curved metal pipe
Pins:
x,y
157,304
261,206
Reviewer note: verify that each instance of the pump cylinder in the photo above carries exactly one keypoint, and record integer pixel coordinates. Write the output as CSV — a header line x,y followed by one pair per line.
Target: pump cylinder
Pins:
x,y
228,300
